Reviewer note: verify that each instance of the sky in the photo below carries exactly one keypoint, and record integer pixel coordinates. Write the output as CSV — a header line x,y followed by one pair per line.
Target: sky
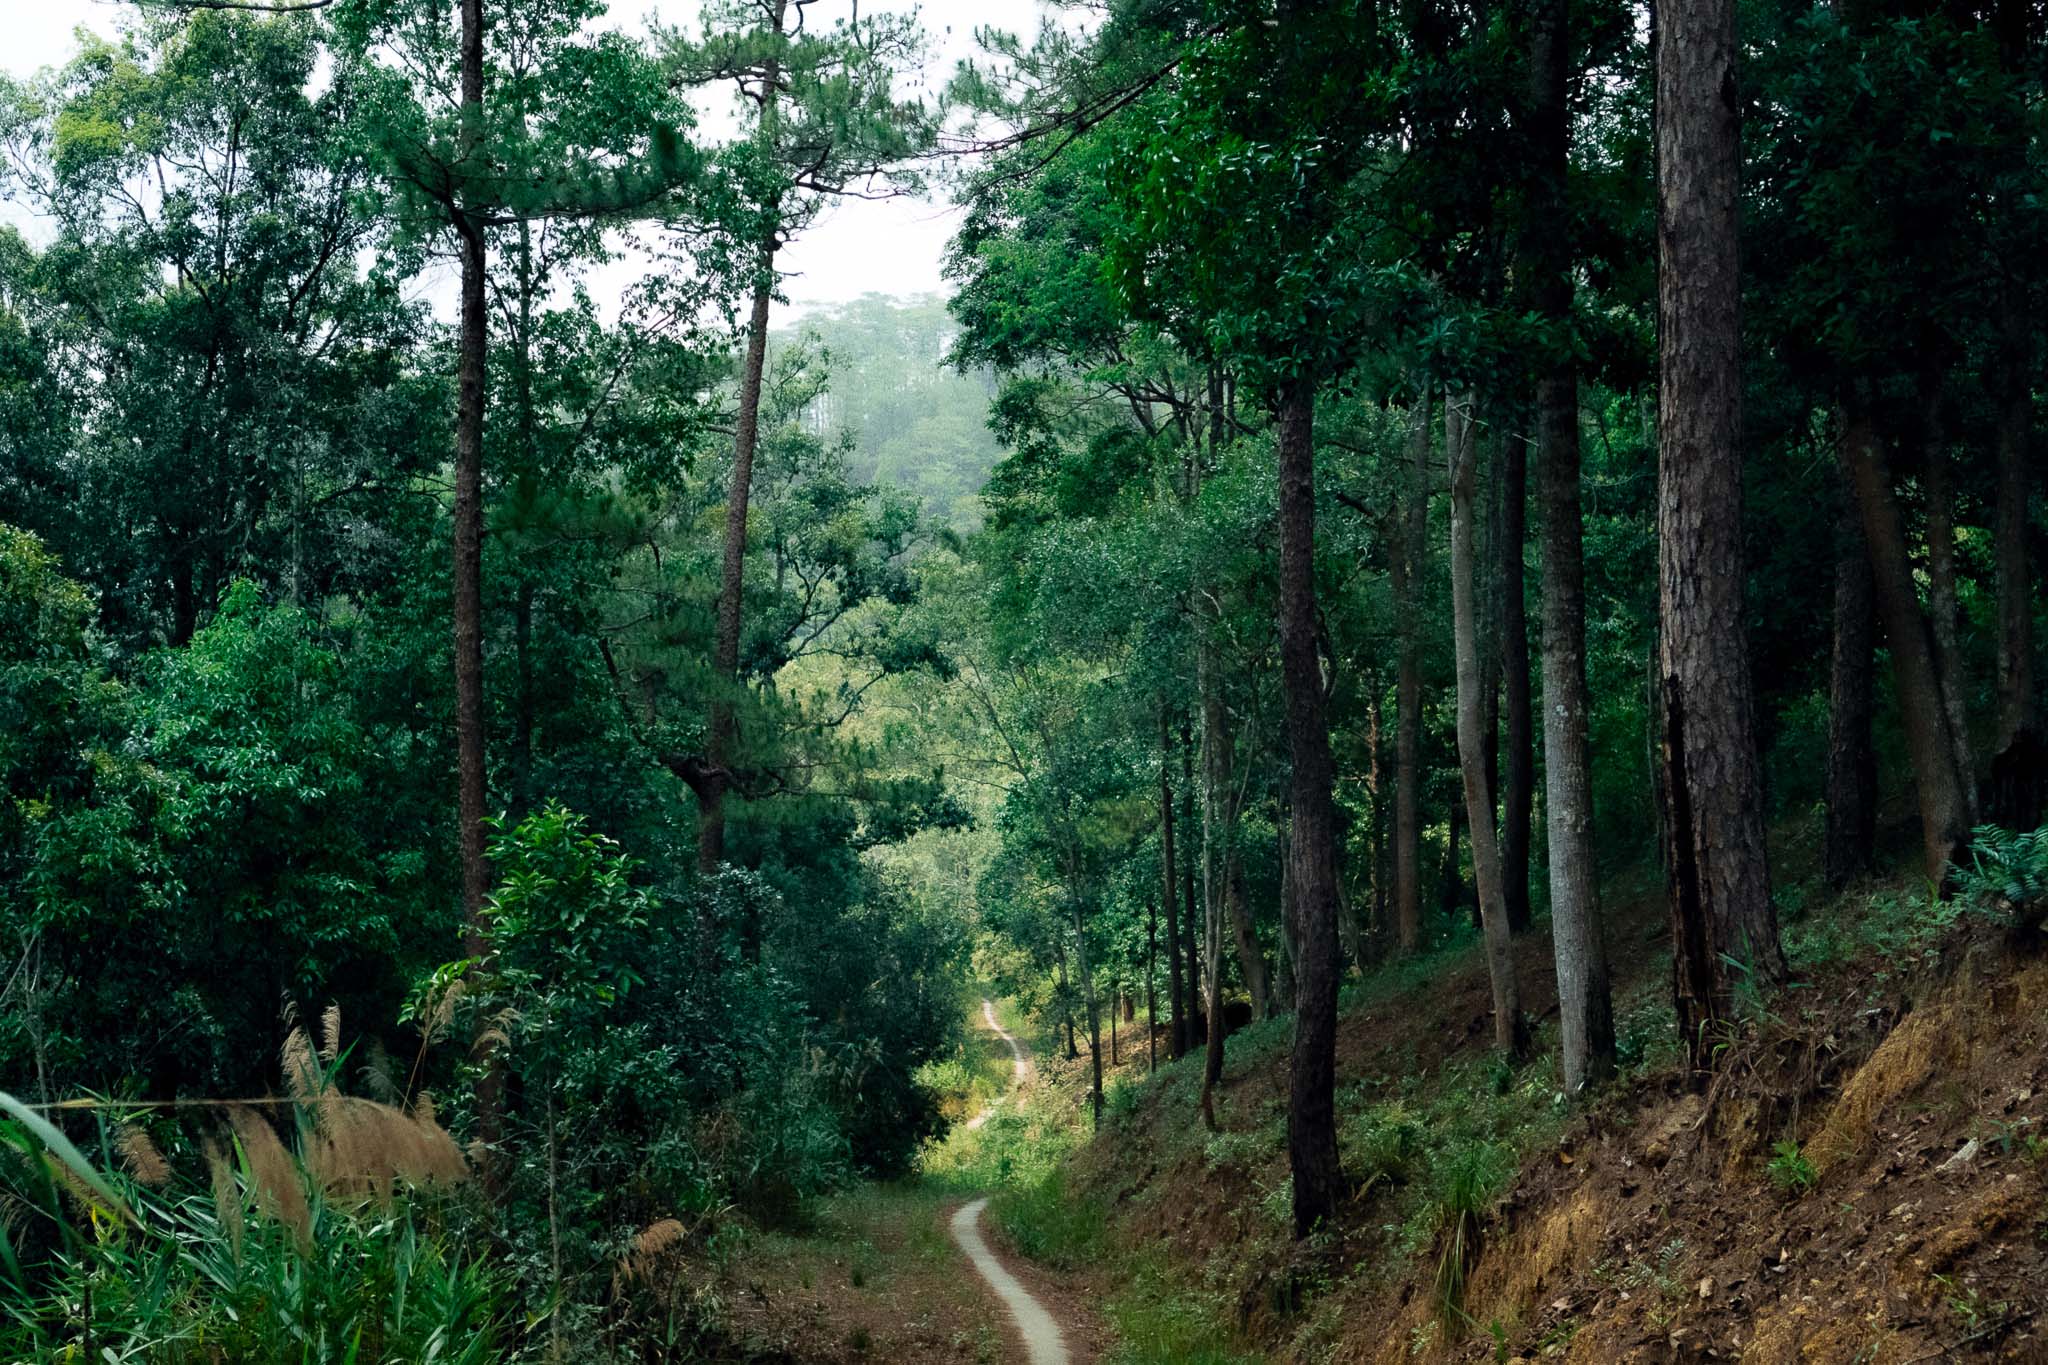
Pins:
x,y
856,247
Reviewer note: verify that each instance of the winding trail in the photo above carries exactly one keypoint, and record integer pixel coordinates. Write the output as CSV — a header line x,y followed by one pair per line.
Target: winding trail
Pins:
x,y
1043,1344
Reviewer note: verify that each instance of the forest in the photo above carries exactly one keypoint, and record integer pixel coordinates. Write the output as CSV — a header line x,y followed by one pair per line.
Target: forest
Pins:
x,y
1399,723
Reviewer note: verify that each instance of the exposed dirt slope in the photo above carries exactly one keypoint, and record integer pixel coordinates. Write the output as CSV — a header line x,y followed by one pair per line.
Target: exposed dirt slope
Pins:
x,y
1906,1223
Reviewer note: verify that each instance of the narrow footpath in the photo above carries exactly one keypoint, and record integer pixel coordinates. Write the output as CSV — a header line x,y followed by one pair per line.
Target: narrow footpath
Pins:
x,y
1043,1344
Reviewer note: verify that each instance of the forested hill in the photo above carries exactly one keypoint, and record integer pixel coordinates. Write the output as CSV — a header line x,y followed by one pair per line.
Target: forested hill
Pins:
x,y
1402,723
917,423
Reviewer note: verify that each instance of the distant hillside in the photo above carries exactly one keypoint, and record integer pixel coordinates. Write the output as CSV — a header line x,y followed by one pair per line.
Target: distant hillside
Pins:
x,y
916,424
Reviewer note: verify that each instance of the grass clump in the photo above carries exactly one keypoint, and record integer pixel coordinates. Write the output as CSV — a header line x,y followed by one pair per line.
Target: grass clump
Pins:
x,y
1382,1145
1789,1169
1047,1223
1160,1320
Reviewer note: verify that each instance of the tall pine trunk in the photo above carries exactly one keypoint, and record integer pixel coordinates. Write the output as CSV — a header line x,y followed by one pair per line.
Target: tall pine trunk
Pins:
x,y
1311,1111
468,512
722,736
1852,761
1718,869
725,660
1407,573
1944,822
1510,1029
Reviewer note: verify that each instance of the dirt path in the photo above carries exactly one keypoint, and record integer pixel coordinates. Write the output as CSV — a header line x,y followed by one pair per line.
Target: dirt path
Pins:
x,y
1043,1344
1020,1063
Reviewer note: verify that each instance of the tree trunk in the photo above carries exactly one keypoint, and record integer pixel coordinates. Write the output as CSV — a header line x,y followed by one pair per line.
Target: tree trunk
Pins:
x,y
2019,767
1088,1000
1219,748
1942,606
1852,761
1519,779
1215,793
468,514
1578,935
1198,1021
1944,823
1311,1111
1720,885
1510,1029
1407,573
1375,784
1167,866
1287,988
1151,995
1059,951
732,574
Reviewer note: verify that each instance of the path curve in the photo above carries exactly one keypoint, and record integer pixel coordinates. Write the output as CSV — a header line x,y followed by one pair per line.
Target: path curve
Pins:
x,y
1020,1063
1043,1344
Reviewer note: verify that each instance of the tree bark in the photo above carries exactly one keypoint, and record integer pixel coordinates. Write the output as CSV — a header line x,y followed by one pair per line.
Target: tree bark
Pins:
x,y
1944,823
2013,581
1198,1020
722,736
1219,748
1088,999
1720,885
1171,892
1852,761
1311,1112
1519,776
1215,792
1151,995
1578,934
1510,1029
473,340
1406,570
732,576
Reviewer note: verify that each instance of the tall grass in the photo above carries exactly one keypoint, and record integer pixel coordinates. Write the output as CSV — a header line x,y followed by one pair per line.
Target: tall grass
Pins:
x,y
342,1244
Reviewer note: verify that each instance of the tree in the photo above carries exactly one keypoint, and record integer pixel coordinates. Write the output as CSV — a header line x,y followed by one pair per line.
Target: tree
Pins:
x,y
1510,1028
1722,916
825,124
1586,1013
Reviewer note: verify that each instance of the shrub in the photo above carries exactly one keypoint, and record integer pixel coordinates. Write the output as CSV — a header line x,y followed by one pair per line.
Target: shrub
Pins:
x,y
1789,1169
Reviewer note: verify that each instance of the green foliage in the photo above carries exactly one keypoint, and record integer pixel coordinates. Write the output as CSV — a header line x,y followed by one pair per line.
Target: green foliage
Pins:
x,y
170,1271
1161,1319
2007,870
1789,1169
1049,1223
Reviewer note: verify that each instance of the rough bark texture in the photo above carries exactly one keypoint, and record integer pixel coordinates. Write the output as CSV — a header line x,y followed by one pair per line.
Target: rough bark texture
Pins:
x,y
1518,784
468,515
2014,584
1406,572
1311,1112
1510,1029
1720,892
1943,822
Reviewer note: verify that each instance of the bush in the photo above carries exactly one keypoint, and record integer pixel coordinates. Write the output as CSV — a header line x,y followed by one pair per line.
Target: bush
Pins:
x,y
2008,871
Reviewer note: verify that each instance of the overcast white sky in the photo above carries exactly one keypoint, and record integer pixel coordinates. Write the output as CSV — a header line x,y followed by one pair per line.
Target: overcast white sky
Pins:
x,y
858,247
